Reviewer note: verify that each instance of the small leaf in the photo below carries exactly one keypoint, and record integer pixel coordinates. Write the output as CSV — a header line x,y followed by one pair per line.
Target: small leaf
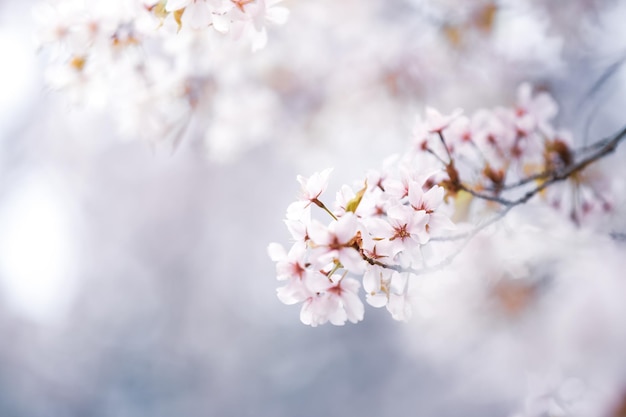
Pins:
x,y
159,10
178,14
354,203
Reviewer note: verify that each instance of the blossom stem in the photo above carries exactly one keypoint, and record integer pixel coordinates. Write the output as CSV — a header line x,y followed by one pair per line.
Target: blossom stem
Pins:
x,y
335,269
443,141
602,148
323,206
430,151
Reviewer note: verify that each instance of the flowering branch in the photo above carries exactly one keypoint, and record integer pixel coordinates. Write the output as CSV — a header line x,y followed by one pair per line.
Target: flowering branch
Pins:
x,y
379,231
601,148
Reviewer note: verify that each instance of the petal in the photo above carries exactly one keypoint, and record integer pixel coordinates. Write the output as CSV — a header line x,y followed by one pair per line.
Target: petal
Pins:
x,y
173,5
197,15
297,229
345,228
297,252
377,300
306,313
292,293
433,197
316,184
399,308
353,306
378,228
352,260
417,222
296,209
401,214
398,282
221,22
337,315
276,252
416,195
343,196
371,280
317,282
351,285
319,233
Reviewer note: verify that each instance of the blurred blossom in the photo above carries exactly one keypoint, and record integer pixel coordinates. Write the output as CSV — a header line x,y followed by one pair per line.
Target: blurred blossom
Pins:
x,y
185,81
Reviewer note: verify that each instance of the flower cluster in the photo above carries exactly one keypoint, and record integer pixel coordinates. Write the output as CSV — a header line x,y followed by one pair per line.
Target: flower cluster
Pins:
x,y
458,169
376,232
169,71
240,18
156,63
504,156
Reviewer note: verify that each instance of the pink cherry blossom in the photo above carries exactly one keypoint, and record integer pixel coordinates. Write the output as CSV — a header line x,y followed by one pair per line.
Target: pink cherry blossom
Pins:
x,y
538,109
437,122
407,227
315,185
429,201
289,265
335,243
337,304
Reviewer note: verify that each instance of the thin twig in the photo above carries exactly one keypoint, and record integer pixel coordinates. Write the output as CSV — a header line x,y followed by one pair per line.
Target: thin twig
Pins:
x,y
608,146
522,182
601,149
604,147
467,236
445,146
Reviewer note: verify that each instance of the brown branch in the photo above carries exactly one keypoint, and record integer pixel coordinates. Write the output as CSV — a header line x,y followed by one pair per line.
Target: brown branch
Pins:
x,y
482,196
523,181
605,147
445,146
601,149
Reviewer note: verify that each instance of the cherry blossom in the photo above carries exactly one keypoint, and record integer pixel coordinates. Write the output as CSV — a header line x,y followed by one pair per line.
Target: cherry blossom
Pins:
x,y
311,189
165,69
388,288
376,230
337,304
335,243
436,122
315,185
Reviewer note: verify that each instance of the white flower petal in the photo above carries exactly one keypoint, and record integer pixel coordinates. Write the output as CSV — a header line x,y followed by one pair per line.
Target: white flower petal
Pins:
x,y
276,252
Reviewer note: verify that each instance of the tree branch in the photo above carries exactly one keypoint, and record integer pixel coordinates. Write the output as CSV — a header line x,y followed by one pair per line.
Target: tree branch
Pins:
x,y
597,151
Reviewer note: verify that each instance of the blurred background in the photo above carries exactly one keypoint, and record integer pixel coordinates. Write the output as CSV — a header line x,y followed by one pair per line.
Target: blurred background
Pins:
x,y
134,280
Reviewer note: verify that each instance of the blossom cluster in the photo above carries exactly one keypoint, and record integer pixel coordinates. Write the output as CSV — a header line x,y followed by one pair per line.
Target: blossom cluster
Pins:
x,y
500,155
376,231
154,63
86,38
169,71
457,170
82,28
